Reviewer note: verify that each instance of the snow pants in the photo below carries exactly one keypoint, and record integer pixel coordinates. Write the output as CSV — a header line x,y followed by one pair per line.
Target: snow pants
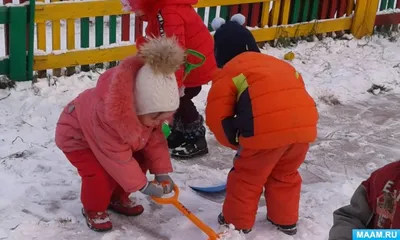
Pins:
x,y
276,170
187,111
98,187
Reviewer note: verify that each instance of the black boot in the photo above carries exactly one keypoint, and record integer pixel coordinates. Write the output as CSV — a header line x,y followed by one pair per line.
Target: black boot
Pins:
x,y
195,143
176,137
287,229
221,221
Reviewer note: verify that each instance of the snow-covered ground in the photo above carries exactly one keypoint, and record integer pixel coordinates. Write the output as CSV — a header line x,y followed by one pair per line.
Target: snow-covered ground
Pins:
x,y
39,189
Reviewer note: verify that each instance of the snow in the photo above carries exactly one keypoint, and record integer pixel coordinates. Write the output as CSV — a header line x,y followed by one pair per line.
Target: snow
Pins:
x,y
40,190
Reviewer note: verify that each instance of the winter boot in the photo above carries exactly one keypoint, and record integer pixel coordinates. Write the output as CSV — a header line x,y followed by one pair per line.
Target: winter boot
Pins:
x,y
221,221
176,137
287,229
126,207
97,221
195,141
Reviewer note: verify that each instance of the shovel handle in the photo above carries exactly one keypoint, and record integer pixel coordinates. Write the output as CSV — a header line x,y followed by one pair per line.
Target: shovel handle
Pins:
x,y
174,201
169,200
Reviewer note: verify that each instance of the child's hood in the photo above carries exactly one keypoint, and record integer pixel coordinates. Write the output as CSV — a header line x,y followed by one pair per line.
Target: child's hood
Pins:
x,y
116,88
149,7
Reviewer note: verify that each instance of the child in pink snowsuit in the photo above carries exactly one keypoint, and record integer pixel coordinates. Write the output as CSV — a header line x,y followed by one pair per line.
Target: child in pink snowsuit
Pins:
x,y
112,133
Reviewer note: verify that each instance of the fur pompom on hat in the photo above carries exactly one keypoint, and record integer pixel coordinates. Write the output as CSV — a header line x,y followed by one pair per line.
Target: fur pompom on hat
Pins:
x,y
231,38
156,86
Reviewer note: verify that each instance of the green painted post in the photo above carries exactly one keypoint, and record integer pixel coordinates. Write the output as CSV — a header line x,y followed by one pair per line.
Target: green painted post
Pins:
x,y
211,15
383,5
306,9
201,12
85,39
99,32
4,15
113,35
17,39
4,67
4,19
391,4
31,38
314,10
296,5
224,12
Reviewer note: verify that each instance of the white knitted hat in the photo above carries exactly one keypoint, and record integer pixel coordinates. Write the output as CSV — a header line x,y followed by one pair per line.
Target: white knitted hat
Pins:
x,y
156,87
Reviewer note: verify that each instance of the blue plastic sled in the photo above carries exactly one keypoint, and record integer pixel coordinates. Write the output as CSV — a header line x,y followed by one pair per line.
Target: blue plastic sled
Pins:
x,y
212,189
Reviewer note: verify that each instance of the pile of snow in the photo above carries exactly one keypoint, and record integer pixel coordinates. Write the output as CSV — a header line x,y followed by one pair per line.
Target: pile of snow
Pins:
x,y
232,234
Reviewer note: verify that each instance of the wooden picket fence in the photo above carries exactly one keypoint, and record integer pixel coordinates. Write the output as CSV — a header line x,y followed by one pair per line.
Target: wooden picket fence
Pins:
x,y
68,36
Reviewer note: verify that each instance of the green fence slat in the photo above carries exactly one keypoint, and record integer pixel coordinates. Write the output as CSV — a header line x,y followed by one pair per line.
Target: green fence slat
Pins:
x,y
201,12
383,5
306,9
113,34
295,11
17,62
224,12
4,70
99,31
99,35
4,15
314,10
391,4
211,15
113,29
85,39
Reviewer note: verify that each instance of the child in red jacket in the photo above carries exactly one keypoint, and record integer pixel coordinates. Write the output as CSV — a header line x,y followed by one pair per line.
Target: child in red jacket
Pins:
x,y
374,204
112,133
178,18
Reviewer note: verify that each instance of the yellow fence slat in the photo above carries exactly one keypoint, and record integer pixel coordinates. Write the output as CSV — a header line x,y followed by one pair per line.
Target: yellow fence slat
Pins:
x,y
285,12
55,32
350,7
56,11
70,34
285,8
370,16
275,12
41,34
85,57
56,40
364,18
265,13
302,29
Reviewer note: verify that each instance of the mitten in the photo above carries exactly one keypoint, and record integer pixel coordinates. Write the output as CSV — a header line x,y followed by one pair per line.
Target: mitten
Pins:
x,y
166,181
153,189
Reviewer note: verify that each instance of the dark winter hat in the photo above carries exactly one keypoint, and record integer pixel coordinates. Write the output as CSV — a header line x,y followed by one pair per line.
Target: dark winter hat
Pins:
x,y
231,39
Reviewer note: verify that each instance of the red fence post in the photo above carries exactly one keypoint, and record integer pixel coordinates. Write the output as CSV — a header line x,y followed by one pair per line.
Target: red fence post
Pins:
x,y
125,25
6,31
244,9
255,14
234,9
138,28
342,8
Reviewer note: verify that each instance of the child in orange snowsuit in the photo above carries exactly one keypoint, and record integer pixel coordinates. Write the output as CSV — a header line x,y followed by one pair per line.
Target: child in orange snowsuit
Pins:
x,y
258,105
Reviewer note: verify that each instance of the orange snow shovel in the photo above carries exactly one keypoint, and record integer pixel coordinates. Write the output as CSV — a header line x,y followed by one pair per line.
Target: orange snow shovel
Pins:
x,y
174,201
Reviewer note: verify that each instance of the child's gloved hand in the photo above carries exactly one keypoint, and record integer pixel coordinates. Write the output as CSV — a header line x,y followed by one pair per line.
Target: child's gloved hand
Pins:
x,y
166,181
153,189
